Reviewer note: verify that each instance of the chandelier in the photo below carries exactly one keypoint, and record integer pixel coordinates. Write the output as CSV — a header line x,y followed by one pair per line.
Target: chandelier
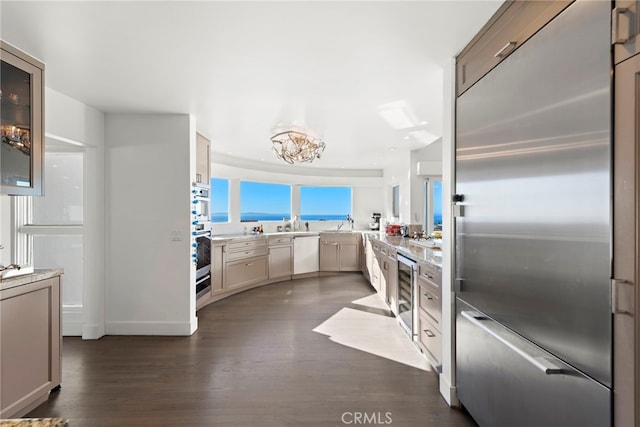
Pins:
x,y
296,146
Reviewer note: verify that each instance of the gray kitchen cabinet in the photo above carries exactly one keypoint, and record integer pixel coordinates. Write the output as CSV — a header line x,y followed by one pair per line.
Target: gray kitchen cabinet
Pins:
x,y
625,29
21,123
392,280
248,271
247,263
513,24
375,267
349,256
30,343
217,267
339,252
203,160
626,243
329,255
280,257
430,311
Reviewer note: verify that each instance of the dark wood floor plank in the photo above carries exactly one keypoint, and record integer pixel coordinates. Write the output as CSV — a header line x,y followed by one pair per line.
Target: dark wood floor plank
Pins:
x,y
254,361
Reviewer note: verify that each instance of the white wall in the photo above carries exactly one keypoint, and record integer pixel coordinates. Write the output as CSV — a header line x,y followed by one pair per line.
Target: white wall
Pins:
x,y
399,174
430,153
71,121
367,194
150,286
5,229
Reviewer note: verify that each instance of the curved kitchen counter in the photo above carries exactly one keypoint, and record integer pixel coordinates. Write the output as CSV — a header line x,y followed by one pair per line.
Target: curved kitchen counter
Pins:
x,y
233,236
411,249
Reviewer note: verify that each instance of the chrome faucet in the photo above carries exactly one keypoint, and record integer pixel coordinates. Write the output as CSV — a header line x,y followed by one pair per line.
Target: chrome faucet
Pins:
x,y
340,225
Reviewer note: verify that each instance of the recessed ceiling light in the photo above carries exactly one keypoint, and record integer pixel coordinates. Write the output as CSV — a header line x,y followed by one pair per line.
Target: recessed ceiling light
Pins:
x,y
424,122
392,149
406,138
424,136
398,115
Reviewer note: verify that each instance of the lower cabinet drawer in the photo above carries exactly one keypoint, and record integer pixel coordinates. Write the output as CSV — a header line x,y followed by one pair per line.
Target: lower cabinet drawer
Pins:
x,y
429,301
247,253
430,338
246,272
241,244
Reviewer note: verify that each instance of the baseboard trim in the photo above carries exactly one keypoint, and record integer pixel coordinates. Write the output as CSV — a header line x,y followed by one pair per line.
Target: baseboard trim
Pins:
x,y
150,328
72,320
448,392
93,331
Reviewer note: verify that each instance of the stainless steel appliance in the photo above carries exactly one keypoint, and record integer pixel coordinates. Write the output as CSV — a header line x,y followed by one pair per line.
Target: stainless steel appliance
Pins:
x,y
375,221
200,208
533,324
201,238
407,295
202,260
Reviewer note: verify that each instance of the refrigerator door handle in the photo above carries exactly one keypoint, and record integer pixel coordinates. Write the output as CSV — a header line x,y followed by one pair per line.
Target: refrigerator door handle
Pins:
x,y
548,367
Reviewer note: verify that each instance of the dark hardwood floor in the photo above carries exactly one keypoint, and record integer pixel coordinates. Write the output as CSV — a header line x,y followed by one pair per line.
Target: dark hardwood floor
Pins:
x,y
254,361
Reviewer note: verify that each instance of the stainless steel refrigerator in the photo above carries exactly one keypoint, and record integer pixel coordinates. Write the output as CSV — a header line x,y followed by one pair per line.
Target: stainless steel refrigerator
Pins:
x,y
533,238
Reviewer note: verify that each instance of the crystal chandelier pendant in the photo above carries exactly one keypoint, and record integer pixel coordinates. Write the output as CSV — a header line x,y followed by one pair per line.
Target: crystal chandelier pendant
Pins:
x,y
294,146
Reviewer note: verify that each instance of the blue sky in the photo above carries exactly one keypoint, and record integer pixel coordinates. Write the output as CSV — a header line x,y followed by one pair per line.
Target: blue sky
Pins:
x,y
437,199
276,198
325,201
219,195
265,198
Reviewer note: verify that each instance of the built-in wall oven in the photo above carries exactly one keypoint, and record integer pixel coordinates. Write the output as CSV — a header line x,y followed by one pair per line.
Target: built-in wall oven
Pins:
x,y
201,238
202,259
406,295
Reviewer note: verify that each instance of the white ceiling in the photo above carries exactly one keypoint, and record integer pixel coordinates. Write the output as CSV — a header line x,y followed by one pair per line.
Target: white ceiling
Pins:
x,y
244,67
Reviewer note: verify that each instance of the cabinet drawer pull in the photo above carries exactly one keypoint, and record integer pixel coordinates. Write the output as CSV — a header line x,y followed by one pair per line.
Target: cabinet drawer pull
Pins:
x,y
429,333
428,296
248,264
505,50
616,38
247,253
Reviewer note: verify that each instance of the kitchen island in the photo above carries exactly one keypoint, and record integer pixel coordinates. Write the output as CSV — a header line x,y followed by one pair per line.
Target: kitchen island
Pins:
x,y
30,340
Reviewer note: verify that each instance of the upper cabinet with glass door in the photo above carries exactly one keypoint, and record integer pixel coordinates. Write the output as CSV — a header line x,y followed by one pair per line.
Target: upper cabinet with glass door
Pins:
x,y
21,122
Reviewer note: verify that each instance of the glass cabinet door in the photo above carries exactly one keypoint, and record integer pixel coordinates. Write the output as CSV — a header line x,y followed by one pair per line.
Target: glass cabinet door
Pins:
x,y
21,127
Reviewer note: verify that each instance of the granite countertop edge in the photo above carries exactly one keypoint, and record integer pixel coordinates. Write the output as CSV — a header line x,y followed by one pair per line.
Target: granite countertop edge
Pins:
x,y
233,236
25,279
404,247
34,422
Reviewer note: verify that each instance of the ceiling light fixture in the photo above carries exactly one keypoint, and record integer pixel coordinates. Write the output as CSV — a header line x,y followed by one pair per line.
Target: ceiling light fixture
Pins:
x,y
398,114
294,146
424,136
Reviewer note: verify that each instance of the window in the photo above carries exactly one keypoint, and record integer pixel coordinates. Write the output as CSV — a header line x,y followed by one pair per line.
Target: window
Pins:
x,y
219,200
433,204
325,203
395,200
437,205
260,201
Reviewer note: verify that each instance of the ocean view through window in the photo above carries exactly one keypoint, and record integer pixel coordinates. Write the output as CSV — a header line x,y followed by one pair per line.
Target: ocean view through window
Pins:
x,y
219,200
261,201
437,205
325,203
